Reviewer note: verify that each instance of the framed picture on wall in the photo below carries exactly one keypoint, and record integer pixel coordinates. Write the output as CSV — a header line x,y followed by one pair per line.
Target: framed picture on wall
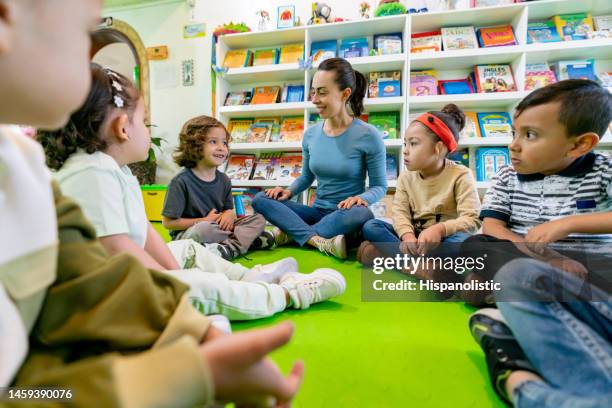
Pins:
x,y
286,17
188,73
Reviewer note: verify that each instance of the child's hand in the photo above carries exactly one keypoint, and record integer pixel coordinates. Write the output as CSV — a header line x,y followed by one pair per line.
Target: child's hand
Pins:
x,y
430,238
212,216
279,193
551,231
351,201
243,374
226,221
409,244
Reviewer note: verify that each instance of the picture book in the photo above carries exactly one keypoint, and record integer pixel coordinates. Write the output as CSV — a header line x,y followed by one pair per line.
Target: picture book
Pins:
x,y
495,124
454,86
489,160
538,76
322,50
494,78
354,47
267,56
459,38
387,123
238,98
461,156
291,53
423,83
577,69
238,59
497,36
239,129
267,167
542,32
574,26
247,196
293,93
430,41
603,23
313,119
312,195
378,81
265,94
274,123
259,132
386,44
472,128
240,166
392,168
292,129
290,166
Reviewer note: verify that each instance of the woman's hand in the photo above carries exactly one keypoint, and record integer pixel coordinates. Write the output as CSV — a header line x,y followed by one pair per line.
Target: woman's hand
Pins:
x,y
279,193
350,202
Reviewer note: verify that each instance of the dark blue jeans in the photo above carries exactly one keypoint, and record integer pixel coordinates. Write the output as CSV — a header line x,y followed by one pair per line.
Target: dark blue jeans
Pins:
x,y
302,222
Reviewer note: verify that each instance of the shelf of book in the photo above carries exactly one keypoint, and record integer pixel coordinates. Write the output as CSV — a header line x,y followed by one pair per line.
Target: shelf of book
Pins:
x,y
544,9
472,101
598,49
264,73
288,146
464,59
357,28
270,109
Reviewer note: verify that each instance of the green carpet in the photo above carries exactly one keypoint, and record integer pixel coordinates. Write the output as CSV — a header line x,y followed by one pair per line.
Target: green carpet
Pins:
x,y
373,354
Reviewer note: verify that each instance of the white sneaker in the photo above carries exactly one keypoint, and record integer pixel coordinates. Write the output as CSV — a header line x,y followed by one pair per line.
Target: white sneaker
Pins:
x,y
306,289
220,322
335,246
271,273
281,237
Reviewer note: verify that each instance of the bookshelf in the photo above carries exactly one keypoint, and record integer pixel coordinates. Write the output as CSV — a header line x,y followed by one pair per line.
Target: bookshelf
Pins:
x,y
449,64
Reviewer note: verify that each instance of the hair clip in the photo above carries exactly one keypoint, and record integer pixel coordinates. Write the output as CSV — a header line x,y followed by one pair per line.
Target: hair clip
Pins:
x,y
117,86
118,101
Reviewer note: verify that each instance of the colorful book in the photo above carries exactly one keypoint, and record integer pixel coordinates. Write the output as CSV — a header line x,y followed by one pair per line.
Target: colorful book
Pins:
x,y
387,82
423,83
240,166
489,160
238,59
495,124
454,86
386,123
312,195
430,41
267,167
538,76
603,23
239,129
290,167
577,69
267,56
322,50
391,168
313,119
494,78
291,53
293,93
459,38
574,26
498,36
472,127
238,98
265,94
292,129
387,44
354,47
248,194
542,32
460,157
259,132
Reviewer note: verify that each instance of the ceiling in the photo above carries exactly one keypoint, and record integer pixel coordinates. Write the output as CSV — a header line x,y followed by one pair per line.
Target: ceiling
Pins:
x,y
119,3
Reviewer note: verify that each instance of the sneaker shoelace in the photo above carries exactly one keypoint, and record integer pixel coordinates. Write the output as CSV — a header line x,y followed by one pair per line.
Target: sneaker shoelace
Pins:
x,y
326,246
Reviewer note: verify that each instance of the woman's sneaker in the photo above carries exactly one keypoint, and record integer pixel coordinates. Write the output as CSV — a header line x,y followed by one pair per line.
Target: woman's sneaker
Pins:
x,y
306,289
335,246
503,353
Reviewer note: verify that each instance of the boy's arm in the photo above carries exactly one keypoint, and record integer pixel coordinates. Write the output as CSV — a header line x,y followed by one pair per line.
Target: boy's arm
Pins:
x,y
157,248
181,224
122,243
499,229
595,223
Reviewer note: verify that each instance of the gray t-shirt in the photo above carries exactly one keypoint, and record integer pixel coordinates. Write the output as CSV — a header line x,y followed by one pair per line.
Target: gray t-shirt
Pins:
x,y
188,196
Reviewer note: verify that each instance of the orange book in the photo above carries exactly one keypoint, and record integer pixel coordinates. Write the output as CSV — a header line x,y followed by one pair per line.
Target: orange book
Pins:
x,y
292,129
265,94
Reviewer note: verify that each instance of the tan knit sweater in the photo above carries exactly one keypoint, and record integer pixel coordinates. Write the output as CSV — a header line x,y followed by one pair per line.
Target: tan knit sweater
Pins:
x,y
450,198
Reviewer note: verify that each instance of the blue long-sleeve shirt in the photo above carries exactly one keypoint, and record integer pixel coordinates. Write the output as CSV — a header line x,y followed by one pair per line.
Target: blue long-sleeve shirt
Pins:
x,y
340,163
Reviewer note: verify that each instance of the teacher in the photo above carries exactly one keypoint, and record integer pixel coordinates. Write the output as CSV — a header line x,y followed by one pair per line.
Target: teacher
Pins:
x,y
338,152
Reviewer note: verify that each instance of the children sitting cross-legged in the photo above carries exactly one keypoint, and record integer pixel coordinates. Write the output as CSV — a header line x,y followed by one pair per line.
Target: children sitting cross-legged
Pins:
x,y
199,203
436,199
91,155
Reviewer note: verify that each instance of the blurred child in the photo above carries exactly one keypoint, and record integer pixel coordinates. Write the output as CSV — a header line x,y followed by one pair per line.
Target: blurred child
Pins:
x,y
199,203
108,329
436,199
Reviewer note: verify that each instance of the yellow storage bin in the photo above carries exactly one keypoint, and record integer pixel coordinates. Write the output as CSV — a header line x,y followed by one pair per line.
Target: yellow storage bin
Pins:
x,y
153,196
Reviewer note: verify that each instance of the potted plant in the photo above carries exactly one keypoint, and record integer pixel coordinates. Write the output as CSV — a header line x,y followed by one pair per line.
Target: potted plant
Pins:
x,y
145,171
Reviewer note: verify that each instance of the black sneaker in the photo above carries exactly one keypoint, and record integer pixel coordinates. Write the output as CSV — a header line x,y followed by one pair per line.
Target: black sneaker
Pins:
x,y
503,353
227,252
264,241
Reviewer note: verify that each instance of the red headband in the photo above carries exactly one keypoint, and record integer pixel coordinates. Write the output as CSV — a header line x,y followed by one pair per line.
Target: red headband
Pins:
x,y
440,129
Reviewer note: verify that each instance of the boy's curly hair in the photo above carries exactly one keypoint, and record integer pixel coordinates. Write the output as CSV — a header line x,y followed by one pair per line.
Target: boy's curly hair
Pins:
x,y
192,139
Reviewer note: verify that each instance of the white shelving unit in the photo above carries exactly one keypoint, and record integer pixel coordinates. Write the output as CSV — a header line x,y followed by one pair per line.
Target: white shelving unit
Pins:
x,y
449,64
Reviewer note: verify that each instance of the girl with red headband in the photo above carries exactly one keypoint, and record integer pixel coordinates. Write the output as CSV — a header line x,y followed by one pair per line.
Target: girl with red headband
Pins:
x,y
436,199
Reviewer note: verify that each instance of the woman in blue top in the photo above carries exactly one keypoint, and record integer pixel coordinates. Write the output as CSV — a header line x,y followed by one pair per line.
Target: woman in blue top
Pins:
x,y
337,153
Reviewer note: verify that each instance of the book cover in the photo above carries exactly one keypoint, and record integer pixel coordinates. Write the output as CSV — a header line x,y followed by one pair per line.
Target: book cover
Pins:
x,y
498,36
248,194
265,57
312,195
237,59
238,98
322,50
460,157
494,78
259,132
577,68
313,119
239,129
454,86
603,23
386,123
240,166
472,127
392,168
574,26
376,77
495,124
291,53
423,83
265,94
354,47
489,160
387,44
293,93
430,41
459,38
290,167
542,32
292,129
267,167
538,76
389,88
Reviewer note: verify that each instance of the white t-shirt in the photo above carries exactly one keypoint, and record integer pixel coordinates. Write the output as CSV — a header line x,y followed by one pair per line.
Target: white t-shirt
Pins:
x,y
109,195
